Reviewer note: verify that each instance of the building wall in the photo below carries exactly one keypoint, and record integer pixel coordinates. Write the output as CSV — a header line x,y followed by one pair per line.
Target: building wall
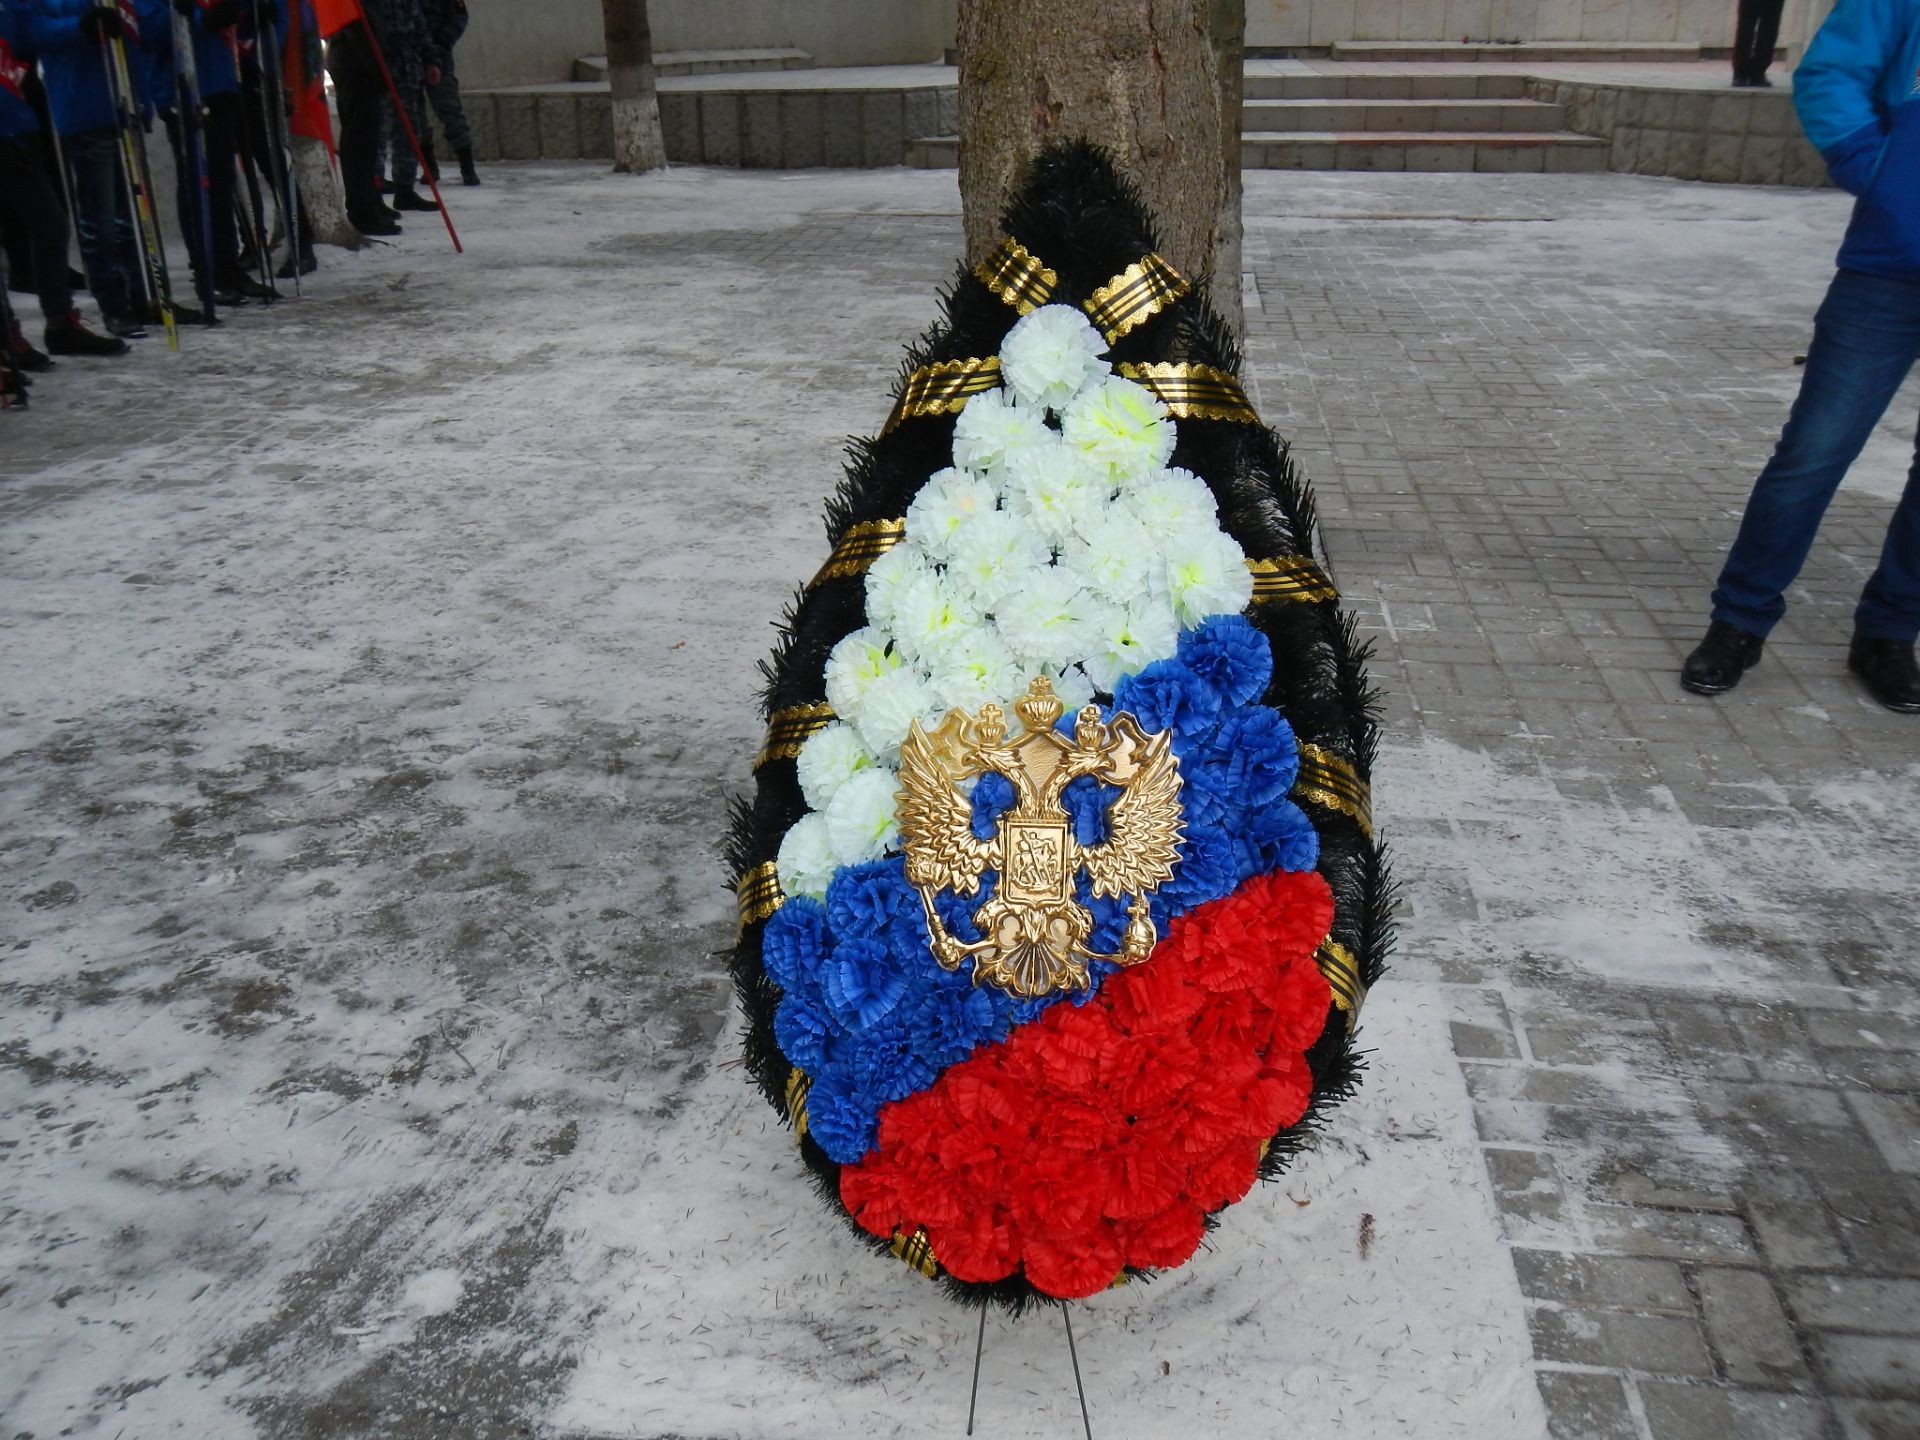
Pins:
x,y
1321,22
526,42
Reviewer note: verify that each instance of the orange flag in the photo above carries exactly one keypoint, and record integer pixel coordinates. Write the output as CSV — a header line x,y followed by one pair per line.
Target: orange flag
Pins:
x,y
306,77
335,15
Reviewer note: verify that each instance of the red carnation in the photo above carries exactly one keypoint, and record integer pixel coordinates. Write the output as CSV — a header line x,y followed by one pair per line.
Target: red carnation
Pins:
x,y
1163,1241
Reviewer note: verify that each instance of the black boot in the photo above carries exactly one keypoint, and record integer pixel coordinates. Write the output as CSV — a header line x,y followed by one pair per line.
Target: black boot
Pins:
x,y
468,175
378,221
70,337
1888,670
1718,661
307,265
22,355
239,282
407,198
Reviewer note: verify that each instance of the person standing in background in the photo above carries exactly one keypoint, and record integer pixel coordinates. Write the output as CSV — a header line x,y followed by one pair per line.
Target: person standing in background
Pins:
x,y
448,21
1756,30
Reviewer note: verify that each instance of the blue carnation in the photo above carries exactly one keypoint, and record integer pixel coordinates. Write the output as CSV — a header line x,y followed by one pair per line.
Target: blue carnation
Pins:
x,y
861,982
794,942
1254,756
1088,802
1276,837
874,900
1229,654
993,796
803,1033
885,1065
841,1124
951,1023
1168,696
1207,870
956,911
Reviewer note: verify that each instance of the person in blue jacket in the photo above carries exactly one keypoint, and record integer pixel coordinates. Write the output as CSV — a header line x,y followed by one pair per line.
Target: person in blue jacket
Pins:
x,y
68,37
28,193
1858,96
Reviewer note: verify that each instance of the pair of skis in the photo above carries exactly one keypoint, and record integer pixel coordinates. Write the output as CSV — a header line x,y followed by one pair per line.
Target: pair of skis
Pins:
x,y
136,173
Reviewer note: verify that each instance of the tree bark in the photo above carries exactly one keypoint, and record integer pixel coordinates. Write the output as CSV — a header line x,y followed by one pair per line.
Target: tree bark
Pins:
x,y
1229,36
320,194
1141,78
638,144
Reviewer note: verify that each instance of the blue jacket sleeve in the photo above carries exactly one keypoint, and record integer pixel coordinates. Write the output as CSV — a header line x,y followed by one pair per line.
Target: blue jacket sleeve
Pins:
x,y
1835,89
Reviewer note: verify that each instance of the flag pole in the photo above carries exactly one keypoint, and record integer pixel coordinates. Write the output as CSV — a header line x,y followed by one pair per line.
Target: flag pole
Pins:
x,y
413,140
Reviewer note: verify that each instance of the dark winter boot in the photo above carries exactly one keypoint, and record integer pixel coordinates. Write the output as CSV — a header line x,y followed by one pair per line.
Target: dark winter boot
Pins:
x,y
241,283
128,326
22,354
70,337
1888,670
379,221
307,265
411,199
468,175
1718,661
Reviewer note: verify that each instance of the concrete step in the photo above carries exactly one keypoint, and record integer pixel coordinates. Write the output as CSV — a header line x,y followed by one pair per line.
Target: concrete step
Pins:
x,y
1457,116
1506,152
1381,83
1590,51
702,62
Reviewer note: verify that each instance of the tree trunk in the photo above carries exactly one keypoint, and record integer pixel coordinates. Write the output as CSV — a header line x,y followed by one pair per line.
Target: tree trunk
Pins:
x,y
320,194
1141,78
638,144
1229,35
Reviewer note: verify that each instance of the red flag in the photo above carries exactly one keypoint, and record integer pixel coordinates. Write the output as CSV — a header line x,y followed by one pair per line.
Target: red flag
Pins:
x,y
306,82
335,15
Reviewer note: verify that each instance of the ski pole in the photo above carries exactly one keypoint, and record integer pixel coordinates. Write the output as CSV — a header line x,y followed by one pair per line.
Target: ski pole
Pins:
x,y
192,140
139,182
273,100
243,156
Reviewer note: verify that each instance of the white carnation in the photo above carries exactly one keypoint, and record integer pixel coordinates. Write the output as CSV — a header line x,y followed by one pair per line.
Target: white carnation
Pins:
x,y
1072,687
805,862
1172,502
853,666
889,579
829,758
1117,554
1050,355
1207,575
945,502
993,555
992,428
928,614
1056,489
972,667
1141,636
1050,620
1121,427
891,704
861,822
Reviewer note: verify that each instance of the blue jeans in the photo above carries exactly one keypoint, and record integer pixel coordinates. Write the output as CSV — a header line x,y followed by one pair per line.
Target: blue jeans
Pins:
x,y
1866,338
103,222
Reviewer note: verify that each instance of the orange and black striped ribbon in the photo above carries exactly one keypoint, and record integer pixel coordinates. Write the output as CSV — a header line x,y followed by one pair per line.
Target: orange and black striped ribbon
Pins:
x,y
943,388
1015,274
798,1084
789,729
1327,779
1134,296
1194,392
758,893
1342,972
1291,577
859,548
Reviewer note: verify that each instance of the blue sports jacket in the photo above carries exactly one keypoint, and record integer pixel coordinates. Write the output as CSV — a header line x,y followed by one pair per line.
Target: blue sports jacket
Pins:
x,y
16,116
1858,95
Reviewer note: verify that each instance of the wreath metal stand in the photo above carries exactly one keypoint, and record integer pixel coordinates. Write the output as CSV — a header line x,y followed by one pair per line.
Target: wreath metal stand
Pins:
x,y
980,1345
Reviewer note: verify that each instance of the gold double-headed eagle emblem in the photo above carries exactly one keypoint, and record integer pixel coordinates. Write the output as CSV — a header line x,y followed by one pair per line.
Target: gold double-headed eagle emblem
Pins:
x,y
1036,930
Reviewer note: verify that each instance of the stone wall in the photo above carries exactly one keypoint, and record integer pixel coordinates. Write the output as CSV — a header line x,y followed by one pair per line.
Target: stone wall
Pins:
x,y
1322,22
530,42
1747,136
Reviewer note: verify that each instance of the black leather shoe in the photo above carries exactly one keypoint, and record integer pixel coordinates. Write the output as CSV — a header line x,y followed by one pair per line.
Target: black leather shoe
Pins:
x,y
1718,661
1888,670
411,199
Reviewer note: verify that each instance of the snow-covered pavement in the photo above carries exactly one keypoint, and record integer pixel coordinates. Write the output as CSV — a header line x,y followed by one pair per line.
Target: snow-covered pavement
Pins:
x,y
374,675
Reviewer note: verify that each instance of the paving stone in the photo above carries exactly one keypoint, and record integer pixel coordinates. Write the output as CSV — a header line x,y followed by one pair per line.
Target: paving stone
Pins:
x,y
1616,1339
1879,1420
1604,1281
1877,1366
1675,1234
1894,1123
1700,1412
1749,1330
1849,1302
1586,1407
